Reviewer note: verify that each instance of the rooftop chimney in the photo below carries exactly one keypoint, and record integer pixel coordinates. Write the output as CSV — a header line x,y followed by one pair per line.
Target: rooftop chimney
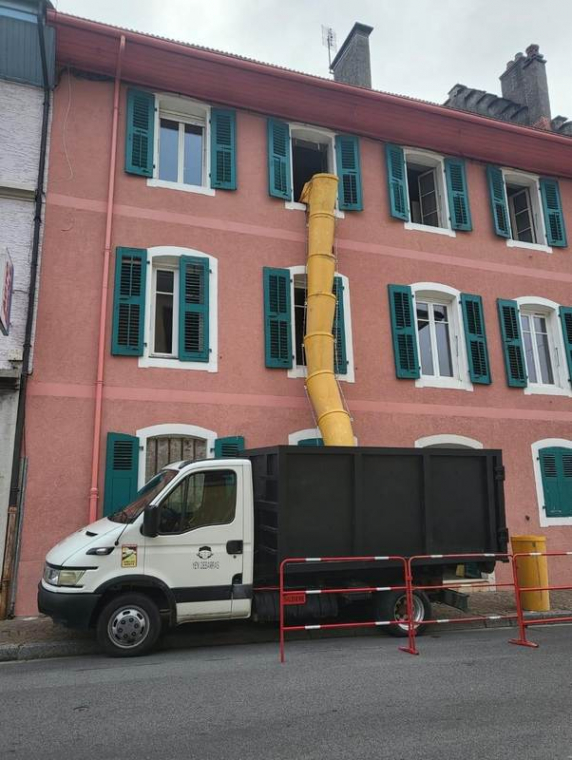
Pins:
x,y
524,81
351,64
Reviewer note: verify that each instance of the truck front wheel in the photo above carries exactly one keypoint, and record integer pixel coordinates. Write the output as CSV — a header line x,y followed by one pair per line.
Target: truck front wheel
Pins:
x,y
129,625
392,605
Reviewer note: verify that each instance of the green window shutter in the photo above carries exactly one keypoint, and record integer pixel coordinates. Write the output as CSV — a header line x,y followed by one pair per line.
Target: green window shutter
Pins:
x,y
223,149
404,331
231,446
277,314
349,173
129,302
340,353
553,216
121,466
556,471
512,343
139,142
458,194
397,182
194,309
311,442
476,338
566,323
279,182
497,198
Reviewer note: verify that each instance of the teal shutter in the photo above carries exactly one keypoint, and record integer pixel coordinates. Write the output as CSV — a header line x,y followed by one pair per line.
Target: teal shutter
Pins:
x,y
194,309
397,182
311,442
140,128
121,466
349,173
476,338
512,343
223,149
566,323
129,302
404,331
556,471
458,194
231,446
277,327
497,198
552,209
339,331
279,182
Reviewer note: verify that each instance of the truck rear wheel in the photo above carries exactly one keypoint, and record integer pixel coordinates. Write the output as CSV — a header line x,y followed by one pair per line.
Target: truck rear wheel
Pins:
x,y
128,626
392,605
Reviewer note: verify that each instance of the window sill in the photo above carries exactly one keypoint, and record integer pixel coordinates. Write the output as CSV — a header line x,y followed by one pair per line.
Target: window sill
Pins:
x,y
529,246
449,383
298,371
292,206
428,228
199,189
163,362
553,522
546,390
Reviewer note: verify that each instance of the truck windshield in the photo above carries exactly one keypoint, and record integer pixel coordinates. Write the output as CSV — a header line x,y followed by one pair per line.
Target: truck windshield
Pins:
x,y
144,497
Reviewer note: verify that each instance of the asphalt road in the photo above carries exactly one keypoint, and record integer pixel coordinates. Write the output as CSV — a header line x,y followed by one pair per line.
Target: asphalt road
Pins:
x,y
468,695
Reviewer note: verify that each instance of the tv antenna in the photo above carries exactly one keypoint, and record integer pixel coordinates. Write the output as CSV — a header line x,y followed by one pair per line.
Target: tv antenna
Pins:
x,y
329,41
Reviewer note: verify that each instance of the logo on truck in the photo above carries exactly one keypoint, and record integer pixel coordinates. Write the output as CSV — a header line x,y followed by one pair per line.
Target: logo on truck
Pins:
x,y
205,552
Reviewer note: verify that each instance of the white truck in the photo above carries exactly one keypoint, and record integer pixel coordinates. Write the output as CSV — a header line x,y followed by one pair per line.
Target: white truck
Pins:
x,y
204,540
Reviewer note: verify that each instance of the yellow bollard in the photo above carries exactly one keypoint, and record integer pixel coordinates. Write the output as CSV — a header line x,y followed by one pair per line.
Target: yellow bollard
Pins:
x,y
532,571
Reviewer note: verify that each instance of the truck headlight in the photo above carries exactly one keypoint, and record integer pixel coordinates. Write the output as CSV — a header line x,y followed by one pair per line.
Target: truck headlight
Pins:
x,y
62,577
51,575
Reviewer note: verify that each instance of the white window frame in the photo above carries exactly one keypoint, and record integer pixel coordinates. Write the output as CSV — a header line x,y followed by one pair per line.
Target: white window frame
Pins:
x,y
431,161
298,370
301,435
171,429
168,254
437,292
513,176
312,134
544,521
447,439
549,310
186,111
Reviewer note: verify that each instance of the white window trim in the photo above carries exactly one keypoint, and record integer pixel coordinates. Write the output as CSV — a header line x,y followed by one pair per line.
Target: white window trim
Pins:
x,y
533,183
165,362
445,439
298,371
546,522
436,290
171,429
558,358
435,161
300,435
171,110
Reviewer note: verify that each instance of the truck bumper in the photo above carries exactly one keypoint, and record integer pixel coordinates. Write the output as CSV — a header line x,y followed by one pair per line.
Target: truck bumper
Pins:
x,y
71,610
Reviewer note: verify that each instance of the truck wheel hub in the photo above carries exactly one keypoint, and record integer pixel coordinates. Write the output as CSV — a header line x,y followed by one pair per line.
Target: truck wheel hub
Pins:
x,y
128,627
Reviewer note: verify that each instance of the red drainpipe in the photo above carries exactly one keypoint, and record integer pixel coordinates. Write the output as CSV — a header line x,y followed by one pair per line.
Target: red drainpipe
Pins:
x,y
94,490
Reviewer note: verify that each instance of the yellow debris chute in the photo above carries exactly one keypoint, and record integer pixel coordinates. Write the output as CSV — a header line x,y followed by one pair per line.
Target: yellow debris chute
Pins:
x,y
333,420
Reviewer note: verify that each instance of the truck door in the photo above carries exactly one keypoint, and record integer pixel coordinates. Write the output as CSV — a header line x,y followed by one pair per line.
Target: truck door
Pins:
x,y
198,552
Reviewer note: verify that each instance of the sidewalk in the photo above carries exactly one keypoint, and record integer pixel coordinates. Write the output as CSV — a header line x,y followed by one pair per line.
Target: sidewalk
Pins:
x,y
37,637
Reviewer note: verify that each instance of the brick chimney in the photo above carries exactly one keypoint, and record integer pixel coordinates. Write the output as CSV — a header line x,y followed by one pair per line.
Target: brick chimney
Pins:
x,y
524,81
352,64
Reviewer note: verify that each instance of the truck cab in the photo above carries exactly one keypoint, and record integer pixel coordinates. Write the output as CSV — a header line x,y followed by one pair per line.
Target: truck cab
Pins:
x,y
181,551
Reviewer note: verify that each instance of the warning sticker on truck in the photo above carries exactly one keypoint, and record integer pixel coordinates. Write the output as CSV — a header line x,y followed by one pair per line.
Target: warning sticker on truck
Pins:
x,y
129,555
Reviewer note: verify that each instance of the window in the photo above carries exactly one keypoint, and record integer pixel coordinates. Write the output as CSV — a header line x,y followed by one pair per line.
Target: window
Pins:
x,y
203,498
165,449
447,441
552,460
311,154
181,138
521,214
433,322
537,347
424,195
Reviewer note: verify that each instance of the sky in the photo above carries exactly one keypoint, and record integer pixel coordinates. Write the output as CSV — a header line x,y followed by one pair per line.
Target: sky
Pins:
x,y
419,48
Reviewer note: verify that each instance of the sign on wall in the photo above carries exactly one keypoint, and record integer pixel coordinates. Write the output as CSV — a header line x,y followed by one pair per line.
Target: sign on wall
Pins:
x,y
6,288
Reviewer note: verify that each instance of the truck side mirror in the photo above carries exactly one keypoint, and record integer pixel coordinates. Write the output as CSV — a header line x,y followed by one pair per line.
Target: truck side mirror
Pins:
x,y
150,527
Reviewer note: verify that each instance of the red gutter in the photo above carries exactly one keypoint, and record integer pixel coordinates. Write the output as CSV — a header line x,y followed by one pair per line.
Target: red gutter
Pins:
x,y
94,490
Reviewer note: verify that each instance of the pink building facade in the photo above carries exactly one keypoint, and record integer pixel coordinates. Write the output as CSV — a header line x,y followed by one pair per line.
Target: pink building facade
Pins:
x,y
465,216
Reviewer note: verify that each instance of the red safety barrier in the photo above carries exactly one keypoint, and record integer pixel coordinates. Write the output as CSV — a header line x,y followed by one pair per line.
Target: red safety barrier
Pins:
x,y
411,588
522,623
298,596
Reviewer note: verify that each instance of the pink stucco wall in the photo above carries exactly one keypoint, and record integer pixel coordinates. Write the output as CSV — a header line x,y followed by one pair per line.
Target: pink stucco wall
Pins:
x,y
246,230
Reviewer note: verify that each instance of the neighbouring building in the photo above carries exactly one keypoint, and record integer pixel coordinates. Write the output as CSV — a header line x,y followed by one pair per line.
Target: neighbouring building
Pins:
x,y
23,90
173,279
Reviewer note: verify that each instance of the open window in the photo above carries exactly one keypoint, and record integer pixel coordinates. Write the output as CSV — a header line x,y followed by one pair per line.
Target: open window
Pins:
x,y
425,194
311,154
524,209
